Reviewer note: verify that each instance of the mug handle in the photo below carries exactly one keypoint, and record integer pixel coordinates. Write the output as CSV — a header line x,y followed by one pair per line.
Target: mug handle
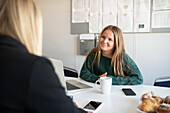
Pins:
x,y
97,86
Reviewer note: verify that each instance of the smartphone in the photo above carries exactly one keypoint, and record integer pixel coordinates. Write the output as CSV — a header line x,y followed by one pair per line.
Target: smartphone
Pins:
x,y
128,92
92,105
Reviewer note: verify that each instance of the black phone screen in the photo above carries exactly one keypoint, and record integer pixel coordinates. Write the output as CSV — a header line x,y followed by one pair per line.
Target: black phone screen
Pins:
x,y
93,105
128,92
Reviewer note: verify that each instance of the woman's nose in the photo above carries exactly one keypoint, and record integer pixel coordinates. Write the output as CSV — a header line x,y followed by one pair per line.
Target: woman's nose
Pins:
x,y
105,40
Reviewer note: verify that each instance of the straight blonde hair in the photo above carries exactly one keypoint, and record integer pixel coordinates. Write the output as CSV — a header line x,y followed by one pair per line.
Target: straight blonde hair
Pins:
x,y
119,48
22,20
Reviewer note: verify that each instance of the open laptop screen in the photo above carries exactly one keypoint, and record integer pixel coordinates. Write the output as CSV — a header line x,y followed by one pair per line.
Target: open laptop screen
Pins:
x,y
69,85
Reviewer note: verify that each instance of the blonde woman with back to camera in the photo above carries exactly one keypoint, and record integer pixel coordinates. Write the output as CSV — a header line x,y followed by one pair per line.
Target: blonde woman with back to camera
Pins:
x,y
110,59
28,83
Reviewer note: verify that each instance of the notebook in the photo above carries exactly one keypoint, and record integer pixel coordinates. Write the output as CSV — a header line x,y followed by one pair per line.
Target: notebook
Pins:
x,y
69,85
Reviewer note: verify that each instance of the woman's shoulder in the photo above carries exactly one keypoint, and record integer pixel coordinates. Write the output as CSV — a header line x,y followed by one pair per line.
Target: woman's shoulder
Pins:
x,y
92,53
40,59
90,57
125,54
126,57
40,62
33,59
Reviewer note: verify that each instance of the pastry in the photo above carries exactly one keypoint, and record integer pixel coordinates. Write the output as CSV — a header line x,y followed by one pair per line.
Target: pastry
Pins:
x,y
163,108
149,105
147,96
152,97
158,99
167,100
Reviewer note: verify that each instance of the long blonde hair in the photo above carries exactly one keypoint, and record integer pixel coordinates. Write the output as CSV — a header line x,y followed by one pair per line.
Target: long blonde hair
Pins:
x,y
22,20
119,48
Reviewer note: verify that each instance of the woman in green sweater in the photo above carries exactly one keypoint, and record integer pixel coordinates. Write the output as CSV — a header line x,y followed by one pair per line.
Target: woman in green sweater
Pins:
x,y
110,59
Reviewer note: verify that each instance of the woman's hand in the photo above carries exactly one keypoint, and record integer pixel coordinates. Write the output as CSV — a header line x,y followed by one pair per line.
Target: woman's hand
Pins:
x,y
104,75
78,107
76,104
89,112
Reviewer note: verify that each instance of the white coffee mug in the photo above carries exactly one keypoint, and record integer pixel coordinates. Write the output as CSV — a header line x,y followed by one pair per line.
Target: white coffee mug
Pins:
x,y
105,84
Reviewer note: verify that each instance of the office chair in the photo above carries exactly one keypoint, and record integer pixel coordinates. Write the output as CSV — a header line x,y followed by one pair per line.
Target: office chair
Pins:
x,y
162,81
70,72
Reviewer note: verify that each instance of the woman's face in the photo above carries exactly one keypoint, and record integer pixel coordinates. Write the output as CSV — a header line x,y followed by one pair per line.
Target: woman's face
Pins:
x,y
107,41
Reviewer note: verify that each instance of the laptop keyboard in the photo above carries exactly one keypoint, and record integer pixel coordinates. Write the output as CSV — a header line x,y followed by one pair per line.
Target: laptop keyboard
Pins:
x,y
71,87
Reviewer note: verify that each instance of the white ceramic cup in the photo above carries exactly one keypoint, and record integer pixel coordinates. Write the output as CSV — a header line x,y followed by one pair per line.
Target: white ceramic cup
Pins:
x,y
105,84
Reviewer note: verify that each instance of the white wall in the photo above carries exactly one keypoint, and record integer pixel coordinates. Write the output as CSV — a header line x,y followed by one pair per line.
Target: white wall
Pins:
x,y
151,51
57,41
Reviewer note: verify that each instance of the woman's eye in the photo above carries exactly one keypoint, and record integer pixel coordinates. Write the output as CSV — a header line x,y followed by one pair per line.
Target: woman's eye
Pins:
x,y
110,39
103,37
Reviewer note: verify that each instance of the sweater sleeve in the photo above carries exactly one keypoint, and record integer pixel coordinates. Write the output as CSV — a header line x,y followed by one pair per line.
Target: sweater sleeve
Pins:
x,y
45,93
134,76
87,72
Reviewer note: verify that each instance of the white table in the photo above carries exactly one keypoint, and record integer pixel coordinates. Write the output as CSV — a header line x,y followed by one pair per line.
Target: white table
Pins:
x,y
116,101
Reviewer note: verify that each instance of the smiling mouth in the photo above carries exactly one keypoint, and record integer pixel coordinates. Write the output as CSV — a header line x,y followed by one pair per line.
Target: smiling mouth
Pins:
x,y
104,45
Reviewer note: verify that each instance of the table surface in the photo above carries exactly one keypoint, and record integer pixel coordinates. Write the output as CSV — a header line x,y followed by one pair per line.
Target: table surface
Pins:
x,y
116,101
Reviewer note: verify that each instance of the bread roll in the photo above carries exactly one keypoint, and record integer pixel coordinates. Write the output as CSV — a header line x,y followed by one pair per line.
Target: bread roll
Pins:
x,y
147,96
163,109
149,105
167,100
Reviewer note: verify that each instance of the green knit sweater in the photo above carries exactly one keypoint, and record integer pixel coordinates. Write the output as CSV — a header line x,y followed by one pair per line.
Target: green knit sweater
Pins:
x,y
92,73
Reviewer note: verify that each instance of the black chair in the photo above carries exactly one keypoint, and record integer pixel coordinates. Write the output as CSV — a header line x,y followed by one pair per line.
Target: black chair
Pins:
x,y
70,72
162,81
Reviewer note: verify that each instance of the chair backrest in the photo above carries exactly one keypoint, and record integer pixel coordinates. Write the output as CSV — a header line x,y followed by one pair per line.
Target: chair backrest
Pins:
x,y
162,81
70,72
58,66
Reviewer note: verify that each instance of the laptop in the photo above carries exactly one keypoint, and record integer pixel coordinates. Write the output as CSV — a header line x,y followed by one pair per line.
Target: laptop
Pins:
x,y
70,86
74,86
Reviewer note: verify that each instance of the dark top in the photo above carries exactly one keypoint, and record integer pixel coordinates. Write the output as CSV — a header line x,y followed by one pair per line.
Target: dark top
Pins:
x,y
92,73
28,83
